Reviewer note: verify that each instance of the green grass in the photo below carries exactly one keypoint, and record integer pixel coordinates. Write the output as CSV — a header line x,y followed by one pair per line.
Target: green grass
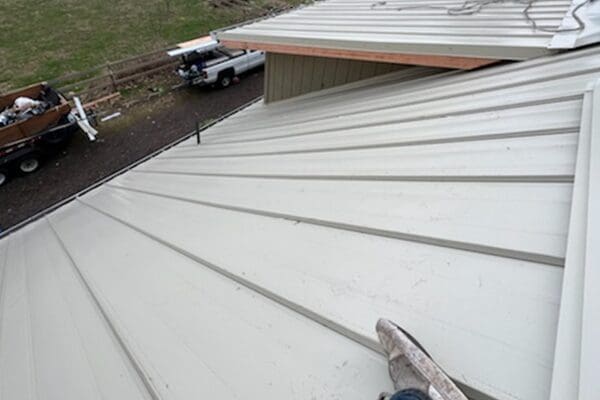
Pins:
x,y
42,40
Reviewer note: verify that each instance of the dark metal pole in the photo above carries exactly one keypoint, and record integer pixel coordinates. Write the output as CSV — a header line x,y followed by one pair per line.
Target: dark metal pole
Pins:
x,y
197,132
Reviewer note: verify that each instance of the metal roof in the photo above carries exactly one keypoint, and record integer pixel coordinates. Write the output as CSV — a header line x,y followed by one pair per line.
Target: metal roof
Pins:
x,y
200,45
500,30
256,264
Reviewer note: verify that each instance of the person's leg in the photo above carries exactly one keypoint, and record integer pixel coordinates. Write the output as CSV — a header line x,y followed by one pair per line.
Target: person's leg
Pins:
x,y
410,394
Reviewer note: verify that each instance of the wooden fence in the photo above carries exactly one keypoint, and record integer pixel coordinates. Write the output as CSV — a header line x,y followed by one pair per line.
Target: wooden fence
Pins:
x,y
107,78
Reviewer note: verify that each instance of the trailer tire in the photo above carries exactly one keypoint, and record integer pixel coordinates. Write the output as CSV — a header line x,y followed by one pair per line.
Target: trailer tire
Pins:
x,y
225,78
3,177
59,138
29,163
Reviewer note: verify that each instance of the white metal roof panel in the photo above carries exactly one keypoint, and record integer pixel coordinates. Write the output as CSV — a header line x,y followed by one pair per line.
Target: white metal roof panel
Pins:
x,y
181,329
345,280
200,45
500,30
257,263
54,343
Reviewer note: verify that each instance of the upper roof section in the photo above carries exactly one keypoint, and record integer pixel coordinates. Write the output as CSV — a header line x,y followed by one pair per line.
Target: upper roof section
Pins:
x,y
429,32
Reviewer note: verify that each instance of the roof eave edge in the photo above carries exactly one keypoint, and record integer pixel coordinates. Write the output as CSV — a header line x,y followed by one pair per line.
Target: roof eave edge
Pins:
x,y
578,329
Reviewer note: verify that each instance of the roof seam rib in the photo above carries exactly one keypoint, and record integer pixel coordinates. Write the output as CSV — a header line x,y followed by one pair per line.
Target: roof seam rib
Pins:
x,y
30,356
136,364
441,34
452,244
459,139
382,178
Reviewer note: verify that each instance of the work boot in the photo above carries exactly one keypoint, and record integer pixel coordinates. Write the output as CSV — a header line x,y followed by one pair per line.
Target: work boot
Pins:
x,y
410,394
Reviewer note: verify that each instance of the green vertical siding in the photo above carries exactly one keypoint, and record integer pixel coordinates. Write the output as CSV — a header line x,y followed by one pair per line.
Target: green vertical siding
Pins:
x,y
292,75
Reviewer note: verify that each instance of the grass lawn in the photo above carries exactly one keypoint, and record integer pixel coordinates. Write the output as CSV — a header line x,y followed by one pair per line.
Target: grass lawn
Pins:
x,y
41,40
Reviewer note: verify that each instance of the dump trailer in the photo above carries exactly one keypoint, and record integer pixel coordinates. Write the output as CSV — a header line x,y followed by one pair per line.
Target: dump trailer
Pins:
x,y
34,123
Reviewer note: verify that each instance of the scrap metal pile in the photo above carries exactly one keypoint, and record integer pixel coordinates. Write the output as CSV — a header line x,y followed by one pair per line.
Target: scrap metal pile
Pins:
x,y
23,108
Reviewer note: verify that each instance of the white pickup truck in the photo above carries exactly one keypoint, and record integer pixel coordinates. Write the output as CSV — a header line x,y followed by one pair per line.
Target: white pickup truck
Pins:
x,y
206,62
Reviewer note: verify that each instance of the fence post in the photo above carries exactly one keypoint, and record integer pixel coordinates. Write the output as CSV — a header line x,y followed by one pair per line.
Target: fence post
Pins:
x,y
112,77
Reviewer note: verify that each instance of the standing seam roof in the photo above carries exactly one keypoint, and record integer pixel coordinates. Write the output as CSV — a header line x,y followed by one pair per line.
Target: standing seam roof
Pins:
x,y
501,30
256,264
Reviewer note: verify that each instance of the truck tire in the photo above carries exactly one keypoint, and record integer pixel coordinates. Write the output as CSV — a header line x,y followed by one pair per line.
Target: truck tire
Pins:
x,y
29,164
225,78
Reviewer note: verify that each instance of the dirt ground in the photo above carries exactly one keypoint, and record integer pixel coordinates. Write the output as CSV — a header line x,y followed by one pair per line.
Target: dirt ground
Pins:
x,y
141,130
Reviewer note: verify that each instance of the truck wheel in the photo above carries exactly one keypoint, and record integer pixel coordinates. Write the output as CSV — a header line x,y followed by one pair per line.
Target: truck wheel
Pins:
x,y
29,164
225,79
3,177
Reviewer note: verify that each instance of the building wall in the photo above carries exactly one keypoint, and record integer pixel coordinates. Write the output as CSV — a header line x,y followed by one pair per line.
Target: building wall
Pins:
x,y
289,75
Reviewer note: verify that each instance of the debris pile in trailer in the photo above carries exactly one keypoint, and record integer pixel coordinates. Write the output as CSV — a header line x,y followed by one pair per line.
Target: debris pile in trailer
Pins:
x,y
22,109
31,111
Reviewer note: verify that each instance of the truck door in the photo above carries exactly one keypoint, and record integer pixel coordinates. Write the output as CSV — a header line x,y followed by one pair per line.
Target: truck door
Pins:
x,y
246,57
255,58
